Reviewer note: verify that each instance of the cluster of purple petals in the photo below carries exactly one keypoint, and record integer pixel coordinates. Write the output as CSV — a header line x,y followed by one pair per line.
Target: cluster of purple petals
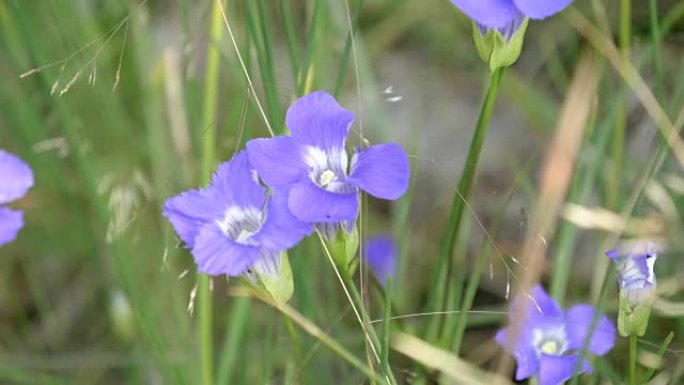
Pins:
x,y
312,164
380,253
233,225
634,266
506,16
236,224
16,178
549,341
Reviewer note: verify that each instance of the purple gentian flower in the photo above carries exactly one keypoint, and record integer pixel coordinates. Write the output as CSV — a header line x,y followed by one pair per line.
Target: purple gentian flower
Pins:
x,y
550,339
16,178
232,225
507,15
634,265
313,166
380,253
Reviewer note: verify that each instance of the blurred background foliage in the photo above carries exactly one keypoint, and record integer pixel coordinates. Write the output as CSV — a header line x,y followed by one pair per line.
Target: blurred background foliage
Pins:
x,y
104,99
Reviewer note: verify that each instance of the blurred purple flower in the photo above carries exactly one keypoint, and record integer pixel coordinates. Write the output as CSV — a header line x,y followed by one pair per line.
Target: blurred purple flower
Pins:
x,y
313,166
380,253
634,265
16,178
506,16
232,226
550,339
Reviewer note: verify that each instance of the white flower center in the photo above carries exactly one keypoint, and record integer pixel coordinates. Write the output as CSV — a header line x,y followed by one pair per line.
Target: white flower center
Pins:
x,y
326,177
553,340
239,224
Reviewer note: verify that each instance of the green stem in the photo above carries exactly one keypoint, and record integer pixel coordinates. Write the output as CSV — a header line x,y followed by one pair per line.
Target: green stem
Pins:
x,y
295,341
386,327
443,270
290,34
233,341
365,319
341,74
312,40
655,42
632,359
325,339
621,124
204,298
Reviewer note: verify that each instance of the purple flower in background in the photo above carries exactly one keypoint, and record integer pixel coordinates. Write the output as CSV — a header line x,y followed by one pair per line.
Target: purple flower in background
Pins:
x,y
313,166
232,226
380,253
16,178
506,16
550,339
634,265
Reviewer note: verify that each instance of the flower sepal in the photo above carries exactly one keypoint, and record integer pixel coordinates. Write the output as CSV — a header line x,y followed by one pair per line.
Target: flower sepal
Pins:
x,y
343,249
633,317
279,287
497,50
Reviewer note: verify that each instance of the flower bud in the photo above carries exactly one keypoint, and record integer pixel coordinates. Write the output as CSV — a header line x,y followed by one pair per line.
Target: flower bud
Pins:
x,y
500,47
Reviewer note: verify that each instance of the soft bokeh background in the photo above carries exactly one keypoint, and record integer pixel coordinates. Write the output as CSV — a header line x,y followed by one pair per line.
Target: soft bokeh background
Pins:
x,y
97,287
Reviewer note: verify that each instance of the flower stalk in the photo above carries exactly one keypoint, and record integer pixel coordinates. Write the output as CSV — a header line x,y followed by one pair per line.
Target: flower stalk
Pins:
x,y
444,264
204,298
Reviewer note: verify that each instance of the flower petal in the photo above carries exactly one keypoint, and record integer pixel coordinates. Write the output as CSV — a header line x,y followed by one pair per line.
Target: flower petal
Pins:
x,y
281,230
490,13
540,9
191,210
310,203
540,304
555,370
525,357
318,120
280,161
579,319
236,183
216,254
16,177
382,171
11,221
381,255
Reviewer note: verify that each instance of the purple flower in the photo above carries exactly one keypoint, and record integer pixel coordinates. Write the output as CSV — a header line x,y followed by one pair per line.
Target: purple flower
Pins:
x,y
380,253
507,15
550,339
232,225
16,178
634,265
313,166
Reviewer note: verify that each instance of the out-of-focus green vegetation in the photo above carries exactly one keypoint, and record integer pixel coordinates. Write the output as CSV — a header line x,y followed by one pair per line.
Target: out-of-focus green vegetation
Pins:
x,y
106,100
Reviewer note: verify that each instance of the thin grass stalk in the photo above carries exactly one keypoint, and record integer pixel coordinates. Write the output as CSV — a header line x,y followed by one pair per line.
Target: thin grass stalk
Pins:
x,y
457,281
661,351
268,69
344,62
444,264
657,56
290,35
475,275
386,327
619,133
580,188
316,332
374,340
304,76
237,326
204,297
